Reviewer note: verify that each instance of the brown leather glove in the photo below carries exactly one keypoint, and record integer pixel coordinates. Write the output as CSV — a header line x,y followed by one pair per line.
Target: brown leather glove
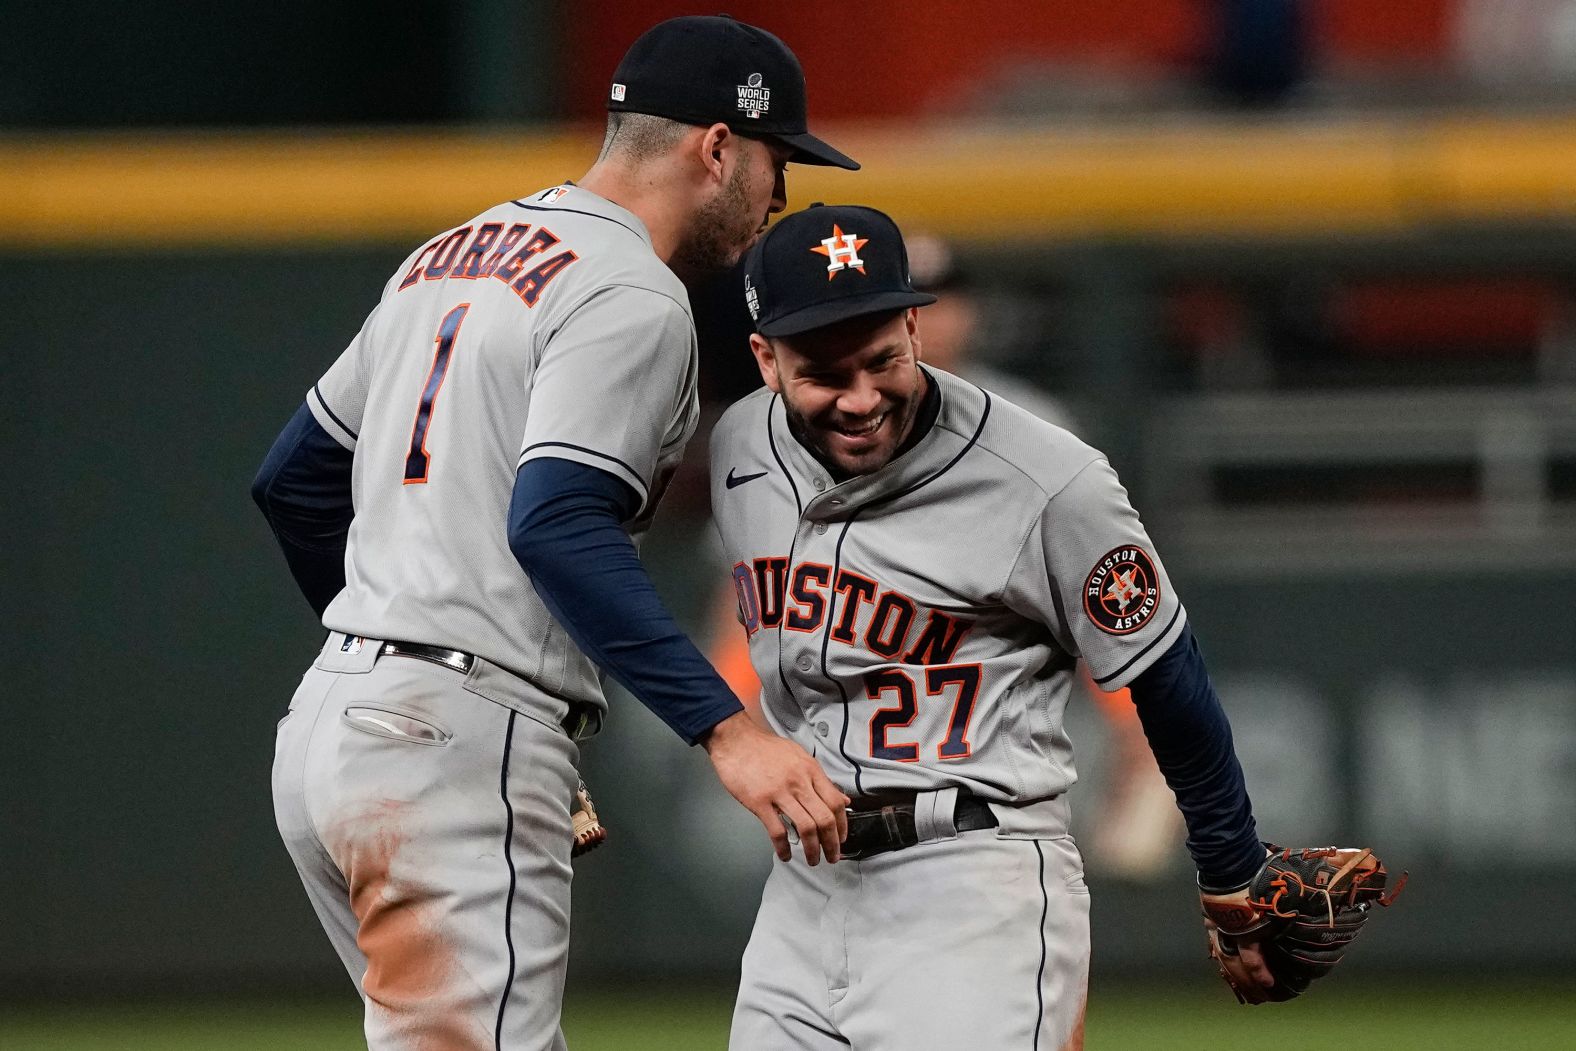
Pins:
x,y
1294,919
589,833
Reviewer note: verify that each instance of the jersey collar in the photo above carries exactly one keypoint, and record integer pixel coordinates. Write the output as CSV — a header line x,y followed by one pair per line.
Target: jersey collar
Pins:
x,y
567,197
961,410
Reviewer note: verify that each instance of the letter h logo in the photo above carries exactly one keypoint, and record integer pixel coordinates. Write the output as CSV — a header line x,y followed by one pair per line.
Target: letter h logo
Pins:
x,y
842,252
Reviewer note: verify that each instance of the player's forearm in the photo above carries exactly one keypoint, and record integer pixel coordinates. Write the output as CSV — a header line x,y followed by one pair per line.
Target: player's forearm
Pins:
x,y
564,530
1191,739
303,490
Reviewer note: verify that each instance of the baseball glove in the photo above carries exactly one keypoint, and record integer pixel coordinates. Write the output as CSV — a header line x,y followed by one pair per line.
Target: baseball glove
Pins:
x,y
589,833
1301,911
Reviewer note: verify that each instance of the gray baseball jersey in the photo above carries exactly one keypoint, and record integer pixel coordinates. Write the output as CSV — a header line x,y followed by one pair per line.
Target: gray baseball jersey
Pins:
x,y
917,627
543,327
427,806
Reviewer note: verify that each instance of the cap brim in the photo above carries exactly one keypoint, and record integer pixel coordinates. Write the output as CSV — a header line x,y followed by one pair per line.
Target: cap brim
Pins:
x,y
807,149
830,313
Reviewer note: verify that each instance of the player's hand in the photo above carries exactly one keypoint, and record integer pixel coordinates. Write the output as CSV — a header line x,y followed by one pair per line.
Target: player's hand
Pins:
x,y
1294,920
781,785
1241,961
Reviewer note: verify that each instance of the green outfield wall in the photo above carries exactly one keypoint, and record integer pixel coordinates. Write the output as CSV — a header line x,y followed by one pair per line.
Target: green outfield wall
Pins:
x,y
154,638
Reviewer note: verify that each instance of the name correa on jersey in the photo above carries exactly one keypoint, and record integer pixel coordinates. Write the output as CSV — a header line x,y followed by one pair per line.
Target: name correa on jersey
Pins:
x,y
882,620
459,255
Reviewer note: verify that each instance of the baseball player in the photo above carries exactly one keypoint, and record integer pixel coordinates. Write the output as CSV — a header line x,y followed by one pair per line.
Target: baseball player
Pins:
x,y
459,498
919,564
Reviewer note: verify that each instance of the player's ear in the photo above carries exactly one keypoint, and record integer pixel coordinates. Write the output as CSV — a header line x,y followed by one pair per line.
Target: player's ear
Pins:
x,y
766,361
913,331
716,145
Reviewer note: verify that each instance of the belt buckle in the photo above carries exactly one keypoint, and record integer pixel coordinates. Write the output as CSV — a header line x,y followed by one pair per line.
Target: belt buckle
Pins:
x,y
891,835
454,660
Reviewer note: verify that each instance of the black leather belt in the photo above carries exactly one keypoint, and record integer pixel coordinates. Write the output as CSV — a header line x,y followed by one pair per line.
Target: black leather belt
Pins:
x,y
878,824
582,721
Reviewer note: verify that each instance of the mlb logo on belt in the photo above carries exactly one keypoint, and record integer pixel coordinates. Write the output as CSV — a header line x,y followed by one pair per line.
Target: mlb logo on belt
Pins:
x,y
842,251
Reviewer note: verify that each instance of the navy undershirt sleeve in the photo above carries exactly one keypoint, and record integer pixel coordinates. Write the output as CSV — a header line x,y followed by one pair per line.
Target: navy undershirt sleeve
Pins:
x,y
303,489
565,529
1191,739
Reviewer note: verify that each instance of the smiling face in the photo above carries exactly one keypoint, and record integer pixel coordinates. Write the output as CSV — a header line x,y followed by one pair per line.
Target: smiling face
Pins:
x,y
727,225
851,389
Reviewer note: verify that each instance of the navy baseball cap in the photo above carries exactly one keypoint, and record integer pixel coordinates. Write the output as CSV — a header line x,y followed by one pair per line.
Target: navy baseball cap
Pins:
x,y
712,69
827,264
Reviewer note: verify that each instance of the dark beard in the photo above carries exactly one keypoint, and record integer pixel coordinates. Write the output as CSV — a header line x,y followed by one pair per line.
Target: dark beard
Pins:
x,y
713,241
800,428
905,412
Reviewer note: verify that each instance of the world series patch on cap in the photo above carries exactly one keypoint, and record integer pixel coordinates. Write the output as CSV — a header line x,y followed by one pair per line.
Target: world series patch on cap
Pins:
x,y
826,264
712,69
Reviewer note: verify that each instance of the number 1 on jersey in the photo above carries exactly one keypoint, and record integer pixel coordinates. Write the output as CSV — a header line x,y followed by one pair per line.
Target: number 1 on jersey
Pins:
x,y
417,461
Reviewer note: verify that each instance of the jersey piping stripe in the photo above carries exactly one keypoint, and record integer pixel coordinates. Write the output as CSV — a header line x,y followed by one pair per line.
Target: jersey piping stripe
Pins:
x,y
508,854
1102,680
973,440
576,211
837,562
1039,983
771,439
782,676
639,485
316,389
826,639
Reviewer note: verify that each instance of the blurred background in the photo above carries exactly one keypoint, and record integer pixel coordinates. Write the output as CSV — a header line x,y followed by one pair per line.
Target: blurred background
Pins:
x,y
1305,269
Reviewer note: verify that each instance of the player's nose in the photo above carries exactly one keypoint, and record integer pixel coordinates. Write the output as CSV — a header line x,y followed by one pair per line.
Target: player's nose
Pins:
x,y
859,400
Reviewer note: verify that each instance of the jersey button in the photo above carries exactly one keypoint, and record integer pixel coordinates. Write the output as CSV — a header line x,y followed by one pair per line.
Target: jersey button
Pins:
x,y
820,527
820,485
822,729
804,663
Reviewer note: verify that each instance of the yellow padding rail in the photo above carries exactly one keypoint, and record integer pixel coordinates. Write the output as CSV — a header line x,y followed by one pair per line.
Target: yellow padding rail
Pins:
x,y
1021,183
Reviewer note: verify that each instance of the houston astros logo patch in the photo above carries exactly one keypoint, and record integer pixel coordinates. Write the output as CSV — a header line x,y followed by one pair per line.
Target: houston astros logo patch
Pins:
x,y
1122,591
841,250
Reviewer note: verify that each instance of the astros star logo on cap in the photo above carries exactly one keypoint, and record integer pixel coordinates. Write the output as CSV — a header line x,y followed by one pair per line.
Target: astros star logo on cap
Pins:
x,y
841,251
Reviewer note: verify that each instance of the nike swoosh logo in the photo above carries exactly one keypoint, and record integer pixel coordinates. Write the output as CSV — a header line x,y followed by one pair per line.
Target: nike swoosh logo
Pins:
x,y
734,481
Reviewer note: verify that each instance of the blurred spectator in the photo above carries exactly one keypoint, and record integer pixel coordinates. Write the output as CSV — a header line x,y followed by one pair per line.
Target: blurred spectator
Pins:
x,y
1517,42
949,327
1260,50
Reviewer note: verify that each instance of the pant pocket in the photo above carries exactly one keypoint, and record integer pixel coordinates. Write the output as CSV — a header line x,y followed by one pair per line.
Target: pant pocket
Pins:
x,y
395,725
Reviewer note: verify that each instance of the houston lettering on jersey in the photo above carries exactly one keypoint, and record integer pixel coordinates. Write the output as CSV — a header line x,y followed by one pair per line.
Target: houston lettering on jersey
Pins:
x,y
882,620
489,251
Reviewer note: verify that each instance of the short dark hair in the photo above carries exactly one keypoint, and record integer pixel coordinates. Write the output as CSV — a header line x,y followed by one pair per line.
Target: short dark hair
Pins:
x,y
641,136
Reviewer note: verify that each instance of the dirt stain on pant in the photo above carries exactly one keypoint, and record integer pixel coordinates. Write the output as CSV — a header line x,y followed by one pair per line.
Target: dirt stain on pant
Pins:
x,y
411,983
1075,1041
